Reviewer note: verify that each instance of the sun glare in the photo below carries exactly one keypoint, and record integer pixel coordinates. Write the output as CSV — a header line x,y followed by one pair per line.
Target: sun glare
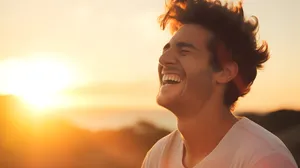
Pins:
x,y
37,81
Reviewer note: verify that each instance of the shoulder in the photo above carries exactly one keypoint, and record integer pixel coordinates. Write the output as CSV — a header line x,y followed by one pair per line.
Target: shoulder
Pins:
x,y
260,145
275,160
154,155
257,136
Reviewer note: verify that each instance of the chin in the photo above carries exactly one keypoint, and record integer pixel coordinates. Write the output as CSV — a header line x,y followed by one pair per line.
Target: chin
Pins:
x,y
163,101
171,104
171,90
169,99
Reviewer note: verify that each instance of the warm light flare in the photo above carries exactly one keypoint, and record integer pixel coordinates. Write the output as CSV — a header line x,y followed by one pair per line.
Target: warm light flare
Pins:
x,y
37,81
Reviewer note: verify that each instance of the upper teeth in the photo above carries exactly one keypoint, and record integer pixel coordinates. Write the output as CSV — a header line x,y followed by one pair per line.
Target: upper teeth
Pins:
x,y
172,77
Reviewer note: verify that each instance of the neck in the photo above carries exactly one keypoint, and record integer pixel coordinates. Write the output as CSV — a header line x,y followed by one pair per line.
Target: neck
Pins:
x,y
203,131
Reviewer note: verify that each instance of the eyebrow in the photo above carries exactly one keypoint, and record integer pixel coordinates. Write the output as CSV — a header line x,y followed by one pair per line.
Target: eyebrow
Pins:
x,y
184,44
181,45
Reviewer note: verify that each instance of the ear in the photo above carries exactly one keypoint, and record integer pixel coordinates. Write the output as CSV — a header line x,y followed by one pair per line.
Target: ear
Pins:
x,y
229,72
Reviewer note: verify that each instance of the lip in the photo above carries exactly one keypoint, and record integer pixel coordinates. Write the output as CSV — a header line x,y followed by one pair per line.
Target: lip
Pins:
x,y
165,71
168,70
170,73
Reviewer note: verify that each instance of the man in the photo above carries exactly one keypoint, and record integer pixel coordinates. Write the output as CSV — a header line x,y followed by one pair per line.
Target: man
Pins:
x,y
211,61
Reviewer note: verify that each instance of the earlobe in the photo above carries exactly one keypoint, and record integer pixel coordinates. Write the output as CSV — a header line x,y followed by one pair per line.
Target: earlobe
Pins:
x,y
229,72
229,78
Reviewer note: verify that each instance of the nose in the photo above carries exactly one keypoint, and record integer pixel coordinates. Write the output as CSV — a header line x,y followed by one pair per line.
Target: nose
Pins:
x,y
167,58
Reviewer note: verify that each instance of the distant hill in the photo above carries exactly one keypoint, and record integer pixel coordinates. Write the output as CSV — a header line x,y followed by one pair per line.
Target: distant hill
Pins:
x,y
53,142
276,121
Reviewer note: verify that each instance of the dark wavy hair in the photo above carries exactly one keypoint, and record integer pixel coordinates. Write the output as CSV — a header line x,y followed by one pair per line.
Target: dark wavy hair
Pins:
x,y
235,37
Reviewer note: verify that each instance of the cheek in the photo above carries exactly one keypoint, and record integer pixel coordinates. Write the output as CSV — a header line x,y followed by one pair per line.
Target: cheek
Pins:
x,y
200,82
199,75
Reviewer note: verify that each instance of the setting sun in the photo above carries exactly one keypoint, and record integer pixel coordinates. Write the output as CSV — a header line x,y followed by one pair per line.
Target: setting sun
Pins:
x,y
37,81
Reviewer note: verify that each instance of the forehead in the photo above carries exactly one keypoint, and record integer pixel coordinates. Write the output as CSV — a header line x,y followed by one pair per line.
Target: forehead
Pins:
x,y
194,34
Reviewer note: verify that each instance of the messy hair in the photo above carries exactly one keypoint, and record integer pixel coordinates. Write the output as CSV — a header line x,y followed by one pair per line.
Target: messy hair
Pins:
x,y
234,38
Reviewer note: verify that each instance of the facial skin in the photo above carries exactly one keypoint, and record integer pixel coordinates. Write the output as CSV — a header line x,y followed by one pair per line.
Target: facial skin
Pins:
x,y
186,57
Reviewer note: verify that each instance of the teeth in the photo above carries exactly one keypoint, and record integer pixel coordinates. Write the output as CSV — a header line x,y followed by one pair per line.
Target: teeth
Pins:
x,y
172,77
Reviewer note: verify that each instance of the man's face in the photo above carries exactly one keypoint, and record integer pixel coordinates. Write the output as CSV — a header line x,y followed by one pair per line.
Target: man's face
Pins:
x,y
185,73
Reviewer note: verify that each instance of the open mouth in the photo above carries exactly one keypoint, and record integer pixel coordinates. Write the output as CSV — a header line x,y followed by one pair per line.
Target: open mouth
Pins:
x,y
170,79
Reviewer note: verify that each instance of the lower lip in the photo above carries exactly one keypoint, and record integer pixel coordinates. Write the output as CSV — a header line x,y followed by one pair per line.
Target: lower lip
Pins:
x,y
171,84
167,85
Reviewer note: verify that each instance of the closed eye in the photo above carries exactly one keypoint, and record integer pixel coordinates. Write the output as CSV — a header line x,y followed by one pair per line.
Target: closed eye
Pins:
x,y
184,52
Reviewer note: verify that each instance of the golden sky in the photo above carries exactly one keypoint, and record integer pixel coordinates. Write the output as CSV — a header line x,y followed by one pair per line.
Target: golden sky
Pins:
x,y
111,50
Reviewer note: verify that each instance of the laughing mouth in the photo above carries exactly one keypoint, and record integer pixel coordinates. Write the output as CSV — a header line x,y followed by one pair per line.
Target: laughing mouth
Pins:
x,y
170,79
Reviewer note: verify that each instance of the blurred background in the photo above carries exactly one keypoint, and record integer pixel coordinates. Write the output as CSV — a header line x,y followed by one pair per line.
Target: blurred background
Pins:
x,y
78,81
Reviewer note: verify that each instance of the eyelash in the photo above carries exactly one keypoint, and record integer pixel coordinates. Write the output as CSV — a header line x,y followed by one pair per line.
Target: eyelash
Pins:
x,y
183,52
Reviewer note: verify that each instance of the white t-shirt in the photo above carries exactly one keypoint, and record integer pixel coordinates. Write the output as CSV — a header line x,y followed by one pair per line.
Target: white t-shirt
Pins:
x,y
246,145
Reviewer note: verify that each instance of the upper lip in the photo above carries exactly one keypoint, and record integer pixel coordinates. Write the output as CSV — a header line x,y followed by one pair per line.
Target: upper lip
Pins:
x,y
169,72
163,70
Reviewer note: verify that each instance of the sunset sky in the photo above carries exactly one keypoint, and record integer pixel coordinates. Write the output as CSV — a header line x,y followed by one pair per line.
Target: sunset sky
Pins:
x,y
105,53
